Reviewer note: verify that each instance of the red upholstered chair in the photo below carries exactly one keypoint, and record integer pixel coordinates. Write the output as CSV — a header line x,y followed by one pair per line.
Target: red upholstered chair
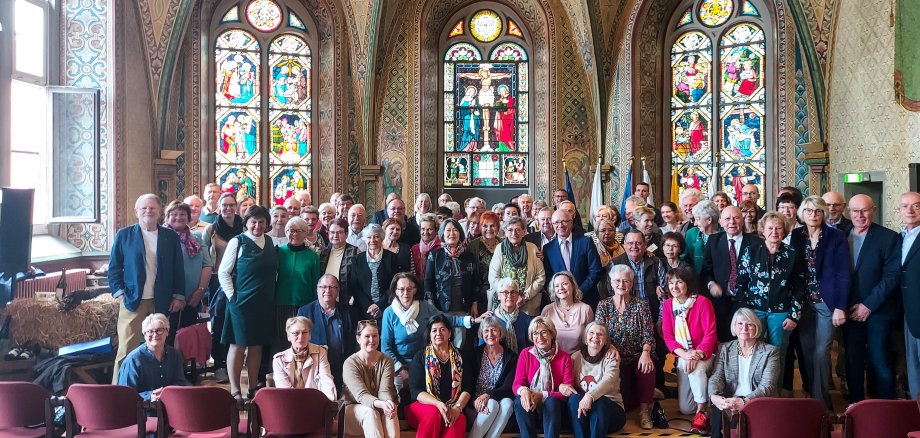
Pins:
x,y
186,411
24,405
106,411
280,411
881,418
768,417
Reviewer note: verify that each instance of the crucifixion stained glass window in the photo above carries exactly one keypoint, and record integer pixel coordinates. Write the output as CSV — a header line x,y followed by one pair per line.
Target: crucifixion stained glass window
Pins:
x,y
263,66
719,97
486,103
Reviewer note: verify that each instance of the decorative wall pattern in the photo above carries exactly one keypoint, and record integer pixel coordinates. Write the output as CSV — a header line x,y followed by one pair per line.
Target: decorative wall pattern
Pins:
x,y
393,151
865,122
576,120
87,63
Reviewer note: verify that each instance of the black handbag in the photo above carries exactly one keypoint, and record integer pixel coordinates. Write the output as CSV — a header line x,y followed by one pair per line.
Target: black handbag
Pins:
x,y
659,419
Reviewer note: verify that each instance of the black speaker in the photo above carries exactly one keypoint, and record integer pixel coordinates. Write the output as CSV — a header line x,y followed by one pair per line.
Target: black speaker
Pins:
x,y
16,229
914,182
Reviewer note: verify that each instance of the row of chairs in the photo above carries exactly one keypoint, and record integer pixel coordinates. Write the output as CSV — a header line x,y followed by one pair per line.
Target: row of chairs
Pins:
x,y
806,418
26,410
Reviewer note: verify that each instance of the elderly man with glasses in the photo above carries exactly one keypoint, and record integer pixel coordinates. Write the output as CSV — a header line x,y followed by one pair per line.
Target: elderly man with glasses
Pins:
x,y
573,253
333,324
153,365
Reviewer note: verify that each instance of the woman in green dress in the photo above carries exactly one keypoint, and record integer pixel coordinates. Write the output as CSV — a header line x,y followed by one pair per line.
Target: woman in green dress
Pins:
x,y
706,215
247,276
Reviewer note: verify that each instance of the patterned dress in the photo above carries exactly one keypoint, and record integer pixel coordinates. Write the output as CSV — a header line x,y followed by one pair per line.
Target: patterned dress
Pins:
x,y
629,330
772,283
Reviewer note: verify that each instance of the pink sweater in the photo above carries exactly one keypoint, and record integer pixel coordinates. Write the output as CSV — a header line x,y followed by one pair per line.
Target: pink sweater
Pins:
x,y
528,364
702,322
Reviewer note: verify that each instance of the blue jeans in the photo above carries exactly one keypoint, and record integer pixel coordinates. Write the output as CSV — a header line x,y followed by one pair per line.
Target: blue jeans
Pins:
x,y
550,410
774,334
912,357
605,416
870,338
817,331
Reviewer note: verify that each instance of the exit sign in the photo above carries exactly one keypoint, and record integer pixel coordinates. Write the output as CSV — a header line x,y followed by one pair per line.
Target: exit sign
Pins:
x,y
851,178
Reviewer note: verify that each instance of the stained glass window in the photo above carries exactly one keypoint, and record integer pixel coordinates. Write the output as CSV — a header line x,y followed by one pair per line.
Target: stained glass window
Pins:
x,y
514,29
263,104
719,118
486,107
686,18
457,30
233,14
750,9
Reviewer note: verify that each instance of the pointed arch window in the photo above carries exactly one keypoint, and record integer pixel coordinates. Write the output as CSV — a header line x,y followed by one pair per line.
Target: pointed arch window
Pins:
x,y
263,99
721,96
485,101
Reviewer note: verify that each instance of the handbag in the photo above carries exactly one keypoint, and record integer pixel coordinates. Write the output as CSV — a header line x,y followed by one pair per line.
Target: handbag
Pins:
x,y
659,419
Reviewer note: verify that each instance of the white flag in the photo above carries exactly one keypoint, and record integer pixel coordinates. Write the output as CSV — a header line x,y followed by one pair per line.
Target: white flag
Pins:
x,y
648,180
597,198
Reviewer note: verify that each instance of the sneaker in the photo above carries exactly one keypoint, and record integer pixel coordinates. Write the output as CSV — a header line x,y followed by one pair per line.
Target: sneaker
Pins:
x,y
645,419
700,424
221,376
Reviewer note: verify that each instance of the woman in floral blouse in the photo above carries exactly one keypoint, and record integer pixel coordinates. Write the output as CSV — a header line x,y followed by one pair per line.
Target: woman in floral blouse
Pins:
x,y
771,281
629,323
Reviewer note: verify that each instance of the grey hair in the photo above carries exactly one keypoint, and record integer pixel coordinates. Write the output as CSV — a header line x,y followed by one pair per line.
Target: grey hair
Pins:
x,y
278,208
325,206
152,318
691,192
749,316
505,282
637,201
516,220
357,207
706,209
145,197
815,202
295,221
622,269
424,196
429,217
491,321
453,206
372,229
590,326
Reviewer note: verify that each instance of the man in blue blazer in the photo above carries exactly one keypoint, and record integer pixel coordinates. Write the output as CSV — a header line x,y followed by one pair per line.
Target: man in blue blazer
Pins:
x,y
334,324
910,286
873,304
145,269
576,254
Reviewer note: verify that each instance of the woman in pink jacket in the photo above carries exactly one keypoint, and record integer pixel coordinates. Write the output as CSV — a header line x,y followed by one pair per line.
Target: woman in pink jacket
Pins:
x,y
688,326
541,369
304,365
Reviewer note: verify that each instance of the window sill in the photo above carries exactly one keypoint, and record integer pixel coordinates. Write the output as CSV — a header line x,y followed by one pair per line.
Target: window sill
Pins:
x,y
47,248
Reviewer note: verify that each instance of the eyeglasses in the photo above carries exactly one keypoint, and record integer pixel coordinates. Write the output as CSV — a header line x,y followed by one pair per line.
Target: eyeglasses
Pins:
x,y
406,289
812,211
835,204
327,287
542,333
296,230
562,221
748,211
158,332
372,322
509,292
621,281
299,333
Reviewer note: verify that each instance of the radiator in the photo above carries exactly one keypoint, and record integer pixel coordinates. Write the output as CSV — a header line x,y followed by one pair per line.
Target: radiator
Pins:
x,y
76,280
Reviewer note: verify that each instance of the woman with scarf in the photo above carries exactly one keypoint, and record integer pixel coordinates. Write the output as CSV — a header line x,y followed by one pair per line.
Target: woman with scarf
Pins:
x,y
215,237
496,362
428,228
567,312
513,319
516,259
392,231
400,336
595,403
629,324
688,325
541,370
369,390
452,281
198,267
304,365
371,273
609,244
438,385
484,246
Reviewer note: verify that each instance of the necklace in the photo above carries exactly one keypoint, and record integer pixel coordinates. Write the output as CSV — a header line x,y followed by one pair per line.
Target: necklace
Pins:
x,y
741,352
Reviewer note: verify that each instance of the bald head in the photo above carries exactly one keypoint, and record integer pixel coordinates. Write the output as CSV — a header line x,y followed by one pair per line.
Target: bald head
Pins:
x,y
909,207
731,221
750,192
862,212
835,205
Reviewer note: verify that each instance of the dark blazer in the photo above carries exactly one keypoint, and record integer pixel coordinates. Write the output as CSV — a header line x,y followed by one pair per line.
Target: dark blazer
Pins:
x,y
379,217
535,239
128,268
344,267
359,281
411,233
910,288
844,225
715,260
585,264
832,264
876,275
349,317
437,282
502,389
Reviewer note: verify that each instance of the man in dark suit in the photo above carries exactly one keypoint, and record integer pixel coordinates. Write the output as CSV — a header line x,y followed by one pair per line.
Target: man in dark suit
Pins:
x,y
835,206
334,324
546,232
411,235
719,274
147,271
873,304
576,254
382,214
909,208
750,192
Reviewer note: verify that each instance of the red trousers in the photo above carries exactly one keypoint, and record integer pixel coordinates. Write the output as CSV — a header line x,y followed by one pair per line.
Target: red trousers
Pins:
x,y
428,422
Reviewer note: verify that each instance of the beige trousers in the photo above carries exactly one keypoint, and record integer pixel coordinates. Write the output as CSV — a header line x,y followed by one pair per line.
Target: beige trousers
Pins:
x,y
372,423
129,331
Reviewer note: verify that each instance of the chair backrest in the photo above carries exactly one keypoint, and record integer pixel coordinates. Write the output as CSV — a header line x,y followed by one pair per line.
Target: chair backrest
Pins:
x,y
768,417
105,407
882,418
281,410
198,408
22,404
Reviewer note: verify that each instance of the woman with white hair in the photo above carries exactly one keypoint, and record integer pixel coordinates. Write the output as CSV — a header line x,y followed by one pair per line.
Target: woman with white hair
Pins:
x,y
326,216
595,403
298,274
513,320
305,364
743,369
371,274
153,365
423,206
495,362
517,259
706,217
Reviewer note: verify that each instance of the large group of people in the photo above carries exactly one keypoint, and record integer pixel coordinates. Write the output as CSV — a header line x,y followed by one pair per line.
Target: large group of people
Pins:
x,y
463,319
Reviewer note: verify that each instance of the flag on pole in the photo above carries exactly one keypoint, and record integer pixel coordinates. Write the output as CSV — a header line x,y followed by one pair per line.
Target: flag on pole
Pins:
x,y
648,180
627,189
597,197
675,190
568,184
